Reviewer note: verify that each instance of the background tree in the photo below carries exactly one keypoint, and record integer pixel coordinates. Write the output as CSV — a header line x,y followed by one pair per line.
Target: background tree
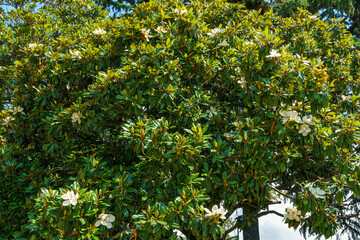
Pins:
x,y
157,121
348,10
118,5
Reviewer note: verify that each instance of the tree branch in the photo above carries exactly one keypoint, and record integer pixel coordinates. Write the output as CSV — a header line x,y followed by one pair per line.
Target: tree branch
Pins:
x,y
268,212
280,192
256,216
227,232
348,217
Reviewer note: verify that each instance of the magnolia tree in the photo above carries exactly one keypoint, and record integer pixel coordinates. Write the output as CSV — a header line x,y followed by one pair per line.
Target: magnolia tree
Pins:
x,y
162,123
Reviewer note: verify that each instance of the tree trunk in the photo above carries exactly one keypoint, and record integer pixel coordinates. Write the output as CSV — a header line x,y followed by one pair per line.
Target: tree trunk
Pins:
x,y
252,232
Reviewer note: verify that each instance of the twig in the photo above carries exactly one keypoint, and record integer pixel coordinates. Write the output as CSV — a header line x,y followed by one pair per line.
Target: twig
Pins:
x,y
348,217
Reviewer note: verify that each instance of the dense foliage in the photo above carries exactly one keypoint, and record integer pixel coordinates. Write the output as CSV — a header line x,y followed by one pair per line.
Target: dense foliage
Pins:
x,y
347,10
137,126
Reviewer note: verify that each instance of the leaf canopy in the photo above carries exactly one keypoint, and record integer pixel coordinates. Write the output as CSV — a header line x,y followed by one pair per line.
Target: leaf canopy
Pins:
x,y
154,116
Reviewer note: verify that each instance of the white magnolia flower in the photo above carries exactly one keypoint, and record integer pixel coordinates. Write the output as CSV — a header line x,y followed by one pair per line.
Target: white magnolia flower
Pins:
x,y
308,120
273,54
212,112
215,211
70,198
76,117
7,121
180,12
34,45
304,129
290,115
317,192
214,32
347,98
17,109
105,219
75,54
242,82
223,44
146,33
292,214
160,29
99,31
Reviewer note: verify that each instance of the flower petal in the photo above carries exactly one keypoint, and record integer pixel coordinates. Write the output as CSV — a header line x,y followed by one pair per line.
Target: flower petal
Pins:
x,y
65,197
73,202
221,210
214,208
109,225
283,113
111,217
97,223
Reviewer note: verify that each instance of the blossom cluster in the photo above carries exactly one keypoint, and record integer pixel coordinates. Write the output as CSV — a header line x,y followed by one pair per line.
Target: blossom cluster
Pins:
x,y
160,29
14,111
145,33
99,32
76,116
347,98
305,122
75,54
294,214
70,198
214,32
104,219
273,54
180,12
7,121
33,46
